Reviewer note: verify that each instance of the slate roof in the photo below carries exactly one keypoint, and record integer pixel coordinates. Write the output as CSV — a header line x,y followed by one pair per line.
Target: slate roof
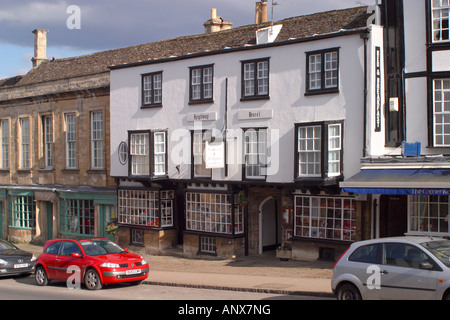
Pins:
x,y
96,63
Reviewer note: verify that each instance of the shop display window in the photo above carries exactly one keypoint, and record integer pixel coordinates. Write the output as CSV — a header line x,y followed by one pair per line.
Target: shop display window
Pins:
x,y
325,218
212,212
146,207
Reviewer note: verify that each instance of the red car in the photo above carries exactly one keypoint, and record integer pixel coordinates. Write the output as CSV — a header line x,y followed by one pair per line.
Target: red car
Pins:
x,y
100,261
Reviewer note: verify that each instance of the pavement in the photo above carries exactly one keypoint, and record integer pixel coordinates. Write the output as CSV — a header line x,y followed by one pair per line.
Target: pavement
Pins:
x,y
258,273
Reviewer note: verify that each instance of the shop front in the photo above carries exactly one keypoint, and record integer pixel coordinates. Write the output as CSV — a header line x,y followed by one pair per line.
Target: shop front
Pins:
x,y
324,225
146,219
215,223
405,201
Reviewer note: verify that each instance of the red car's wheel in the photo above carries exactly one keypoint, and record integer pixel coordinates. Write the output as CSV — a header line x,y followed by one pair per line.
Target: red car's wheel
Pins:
x,y
92,280
41,276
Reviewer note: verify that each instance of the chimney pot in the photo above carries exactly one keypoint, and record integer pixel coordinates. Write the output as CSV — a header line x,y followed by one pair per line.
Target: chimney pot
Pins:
x,y
40,47
213,14
216,23
261,12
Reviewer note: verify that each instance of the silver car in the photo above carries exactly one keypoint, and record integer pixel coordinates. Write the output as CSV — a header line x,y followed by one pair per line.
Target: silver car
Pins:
x,y
416,268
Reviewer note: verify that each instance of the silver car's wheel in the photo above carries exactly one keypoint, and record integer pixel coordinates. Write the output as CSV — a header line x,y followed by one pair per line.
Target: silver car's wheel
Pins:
x,y
348,292
92,280
41,276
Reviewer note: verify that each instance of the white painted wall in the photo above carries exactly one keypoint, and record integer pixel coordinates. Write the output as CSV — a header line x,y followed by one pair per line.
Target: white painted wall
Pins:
x,y
287,102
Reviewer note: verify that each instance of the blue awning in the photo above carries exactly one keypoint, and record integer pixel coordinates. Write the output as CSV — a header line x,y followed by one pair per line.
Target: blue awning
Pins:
x,y
399,182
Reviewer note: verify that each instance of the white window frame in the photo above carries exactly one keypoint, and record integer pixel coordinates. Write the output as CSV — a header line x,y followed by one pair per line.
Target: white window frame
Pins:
x,y
140,153
331,69
142,207
198,155
48,140
71,141
310,151
159,153
4,124
202,83
334,150
97,143
331,218
255,153
440,20
429,215
152,89
441,112
315,72
255,78
323,71
25,146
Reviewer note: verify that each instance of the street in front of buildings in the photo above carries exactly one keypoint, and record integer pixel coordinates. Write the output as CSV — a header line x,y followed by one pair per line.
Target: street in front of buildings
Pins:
x,y
24,288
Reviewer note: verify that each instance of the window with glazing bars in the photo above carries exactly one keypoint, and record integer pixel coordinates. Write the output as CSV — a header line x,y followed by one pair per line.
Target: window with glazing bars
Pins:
x,y
23,212
5,143
255,78
440,20
71,141
48,141
152,89
201,84
78,217
97,140
25,162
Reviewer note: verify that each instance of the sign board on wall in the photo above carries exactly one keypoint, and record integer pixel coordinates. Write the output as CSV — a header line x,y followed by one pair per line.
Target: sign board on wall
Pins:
x,y
214,155
378,102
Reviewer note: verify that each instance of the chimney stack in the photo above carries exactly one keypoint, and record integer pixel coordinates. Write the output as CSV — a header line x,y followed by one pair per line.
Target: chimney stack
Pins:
x,y
40,47
261,12
216,23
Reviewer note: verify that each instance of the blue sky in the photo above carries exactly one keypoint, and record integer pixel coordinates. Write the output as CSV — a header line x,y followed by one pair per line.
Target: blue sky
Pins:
x,y
108,24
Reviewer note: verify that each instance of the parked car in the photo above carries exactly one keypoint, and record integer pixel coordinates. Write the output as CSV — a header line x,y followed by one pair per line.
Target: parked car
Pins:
x,y
394,268
100,261
14,261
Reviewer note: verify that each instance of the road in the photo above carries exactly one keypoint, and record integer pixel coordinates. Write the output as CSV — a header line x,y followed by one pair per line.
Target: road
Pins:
x,y
24,288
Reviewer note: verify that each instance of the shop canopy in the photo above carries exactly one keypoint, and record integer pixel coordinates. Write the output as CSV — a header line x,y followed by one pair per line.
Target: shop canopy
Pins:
x,y
399,182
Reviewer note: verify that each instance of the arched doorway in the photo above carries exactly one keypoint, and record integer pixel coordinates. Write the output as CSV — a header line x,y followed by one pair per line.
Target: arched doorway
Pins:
x,y
269,225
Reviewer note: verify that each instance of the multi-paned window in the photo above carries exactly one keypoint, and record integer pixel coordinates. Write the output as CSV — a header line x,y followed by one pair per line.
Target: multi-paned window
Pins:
x,y
97,140
441,112
149,208
201,84
325,218
152,89
213,213
429,214
198,151
71,141
140,153
319,150
255,153
4,131
255,79
322,71
208,245
440,20
23,212
148,153
78,217
25,161
137,237
47,122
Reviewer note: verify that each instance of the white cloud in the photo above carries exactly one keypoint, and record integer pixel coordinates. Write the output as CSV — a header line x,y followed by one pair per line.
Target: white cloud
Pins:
x,y
33,12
